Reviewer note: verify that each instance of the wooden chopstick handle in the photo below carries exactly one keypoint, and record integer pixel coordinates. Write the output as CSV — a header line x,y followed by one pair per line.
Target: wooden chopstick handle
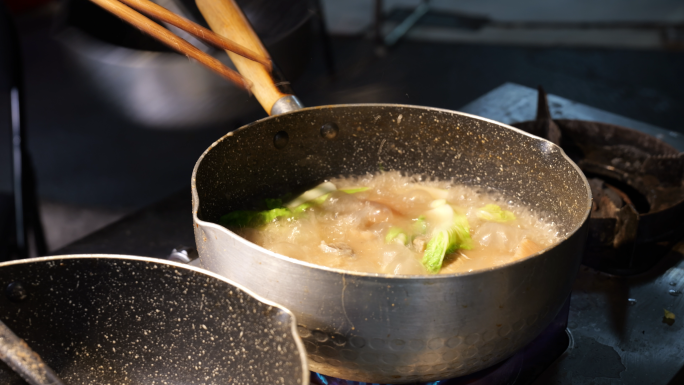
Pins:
x,y
174,42
226,19
160,13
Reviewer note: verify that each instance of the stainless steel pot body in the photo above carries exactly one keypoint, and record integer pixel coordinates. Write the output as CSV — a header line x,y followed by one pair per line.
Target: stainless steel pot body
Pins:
x,y
395,329
105,319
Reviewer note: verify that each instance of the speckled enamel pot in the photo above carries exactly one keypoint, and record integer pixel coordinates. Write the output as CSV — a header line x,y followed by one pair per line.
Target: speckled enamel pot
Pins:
x,y
103,319
395,329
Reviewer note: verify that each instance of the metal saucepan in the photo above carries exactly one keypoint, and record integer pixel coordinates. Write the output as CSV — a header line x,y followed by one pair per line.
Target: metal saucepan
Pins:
x,y
156,88
105,319
373,327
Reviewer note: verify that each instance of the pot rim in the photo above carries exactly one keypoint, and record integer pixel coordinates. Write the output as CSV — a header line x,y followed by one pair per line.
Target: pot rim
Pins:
x,y
199,222
123,257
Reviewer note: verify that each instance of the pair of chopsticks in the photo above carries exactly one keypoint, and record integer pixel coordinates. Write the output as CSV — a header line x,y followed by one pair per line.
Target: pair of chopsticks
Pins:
x,y
120,9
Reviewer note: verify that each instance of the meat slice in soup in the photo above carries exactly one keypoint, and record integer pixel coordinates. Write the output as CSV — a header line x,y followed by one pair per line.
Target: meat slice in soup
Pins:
x,y
392,224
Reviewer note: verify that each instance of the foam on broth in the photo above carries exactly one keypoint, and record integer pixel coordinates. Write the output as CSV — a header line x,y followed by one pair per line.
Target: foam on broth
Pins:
x,y
348,231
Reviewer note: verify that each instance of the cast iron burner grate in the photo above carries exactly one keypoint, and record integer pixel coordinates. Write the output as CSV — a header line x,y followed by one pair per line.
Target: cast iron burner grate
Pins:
x,y
522,368
638,186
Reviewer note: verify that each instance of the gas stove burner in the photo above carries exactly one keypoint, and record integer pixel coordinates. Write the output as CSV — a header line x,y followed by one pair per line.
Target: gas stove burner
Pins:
x,y
638,186
522,368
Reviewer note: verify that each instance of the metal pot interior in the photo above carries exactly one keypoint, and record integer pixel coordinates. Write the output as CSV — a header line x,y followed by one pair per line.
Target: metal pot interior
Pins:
x,y
245,166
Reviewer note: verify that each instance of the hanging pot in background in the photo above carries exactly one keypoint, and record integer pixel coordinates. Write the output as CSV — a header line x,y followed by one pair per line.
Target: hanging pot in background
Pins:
x,y
158,88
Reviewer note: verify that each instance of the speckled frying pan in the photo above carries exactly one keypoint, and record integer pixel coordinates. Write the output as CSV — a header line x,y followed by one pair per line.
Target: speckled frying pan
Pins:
x,y
118,320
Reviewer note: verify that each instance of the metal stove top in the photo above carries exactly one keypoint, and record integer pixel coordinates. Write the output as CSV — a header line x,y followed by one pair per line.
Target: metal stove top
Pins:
x,y
616,324
618,328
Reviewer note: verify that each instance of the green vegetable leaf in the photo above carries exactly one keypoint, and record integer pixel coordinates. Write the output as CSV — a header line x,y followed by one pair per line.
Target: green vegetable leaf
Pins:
x,y
269,215
319,200
494,213
276,209
354,190
322,189
419,225
461,229
246,218
301,208
445,241
435,251
396,234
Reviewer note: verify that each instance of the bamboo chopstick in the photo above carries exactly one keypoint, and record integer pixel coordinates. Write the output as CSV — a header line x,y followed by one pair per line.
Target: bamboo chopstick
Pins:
x,y
167,37
160,13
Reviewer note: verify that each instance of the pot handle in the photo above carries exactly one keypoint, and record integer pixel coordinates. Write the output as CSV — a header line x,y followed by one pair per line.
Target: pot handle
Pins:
x,y
226,19
23,360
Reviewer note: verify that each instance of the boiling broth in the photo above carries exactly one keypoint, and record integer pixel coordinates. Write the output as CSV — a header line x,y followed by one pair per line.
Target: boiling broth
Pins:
x,y
353,227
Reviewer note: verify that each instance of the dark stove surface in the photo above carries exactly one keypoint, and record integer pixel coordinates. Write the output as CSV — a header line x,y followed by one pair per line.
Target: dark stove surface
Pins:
x,y
616,329
637,182
616,323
